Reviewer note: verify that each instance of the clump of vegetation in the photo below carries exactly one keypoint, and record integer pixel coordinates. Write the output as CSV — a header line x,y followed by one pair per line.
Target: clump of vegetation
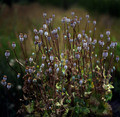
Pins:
x,y
68,73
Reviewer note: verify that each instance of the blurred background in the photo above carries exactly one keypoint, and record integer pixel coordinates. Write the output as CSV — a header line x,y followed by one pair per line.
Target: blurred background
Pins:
x,y
24,15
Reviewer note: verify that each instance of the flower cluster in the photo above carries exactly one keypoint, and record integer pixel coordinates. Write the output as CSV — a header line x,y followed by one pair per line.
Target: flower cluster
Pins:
x,y
68,67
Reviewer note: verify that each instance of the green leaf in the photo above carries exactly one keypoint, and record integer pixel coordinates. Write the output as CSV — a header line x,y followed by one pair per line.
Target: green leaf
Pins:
x,y
30,107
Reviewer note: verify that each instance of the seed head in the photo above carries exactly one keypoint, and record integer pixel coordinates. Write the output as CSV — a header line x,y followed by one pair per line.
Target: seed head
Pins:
x,y
65,67
36,37
7,53
117,58
31,59
46,33
107,33
9,85
18,75
72,13
94,22
105,54
13,45
81,81
44,14
44,26
79,36
51,58
57,70
41,31
5,77
43,57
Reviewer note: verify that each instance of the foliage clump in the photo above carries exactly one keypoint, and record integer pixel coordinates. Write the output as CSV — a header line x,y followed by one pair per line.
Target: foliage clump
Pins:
x,y
69,72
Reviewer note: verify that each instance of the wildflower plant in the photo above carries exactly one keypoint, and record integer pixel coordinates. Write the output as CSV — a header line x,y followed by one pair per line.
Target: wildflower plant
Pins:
x,y
69,73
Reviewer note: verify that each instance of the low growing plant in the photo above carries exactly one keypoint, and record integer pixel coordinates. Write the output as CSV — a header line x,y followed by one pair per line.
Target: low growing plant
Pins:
x,y
69,73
